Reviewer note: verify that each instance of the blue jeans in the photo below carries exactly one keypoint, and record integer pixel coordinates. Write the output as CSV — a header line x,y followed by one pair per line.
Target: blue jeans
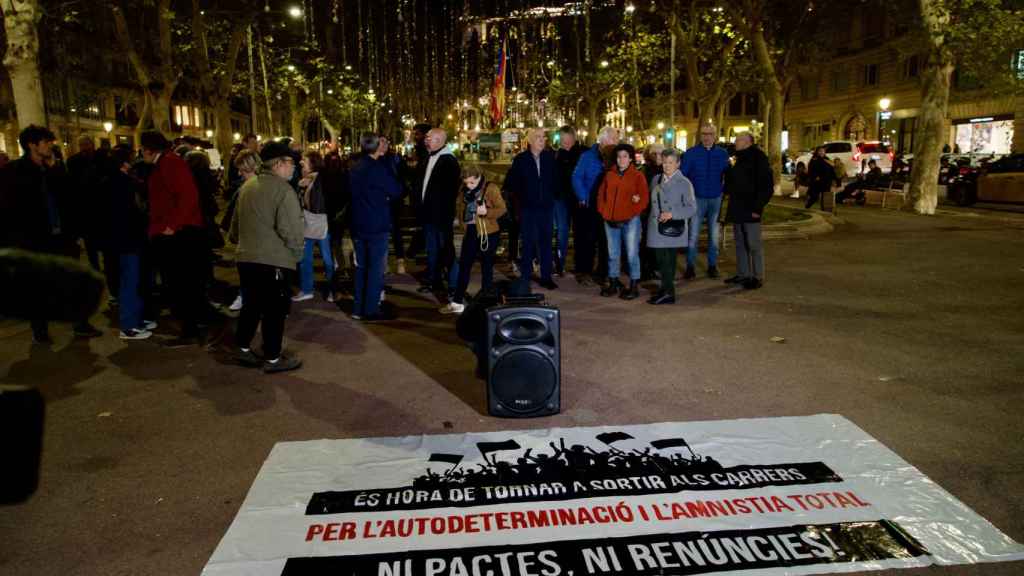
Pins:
x,y
563,210
306,267
706,208
628,233
370,253
129,299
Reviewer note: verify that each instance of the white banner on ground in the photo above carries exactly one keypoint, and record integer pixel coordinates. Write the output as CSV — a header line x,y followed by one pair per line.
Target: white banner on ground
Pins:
x,y
800,495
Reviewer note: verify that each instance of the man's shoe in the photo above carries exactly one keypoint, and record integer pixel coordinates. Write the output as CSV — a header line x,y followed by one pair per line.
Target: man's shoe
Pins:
x,y
690,273
425,289
662,299
611,288
713,272
283,364
181,342
737,279
631,293
453,308
248,358
548,284
302,297
149,325
87,331
752,284
237,304
134,334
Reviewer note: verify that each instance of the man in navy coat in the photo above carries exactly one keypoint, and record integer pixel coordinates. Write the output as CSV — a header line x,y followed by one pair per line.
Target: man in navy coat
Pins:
x,y
533,181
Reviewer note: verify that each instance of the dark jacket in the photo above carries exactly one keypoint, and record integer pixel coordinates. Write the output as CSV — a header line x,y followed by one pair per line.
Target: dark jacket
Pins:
x,y
128,221
436,205
29,196
820,174
750,185
85,174
704,167
374,185
567,160
533,191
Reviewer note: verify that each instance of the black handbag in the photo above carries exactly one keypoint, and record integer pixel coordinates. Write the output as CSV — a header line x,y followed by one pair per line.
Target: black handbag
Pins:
x,y
669,228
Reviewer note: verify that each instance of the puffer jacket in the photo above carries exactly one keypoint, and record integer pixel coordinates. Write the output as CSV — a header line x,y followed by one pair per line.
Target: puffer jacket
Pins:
x,y
705,167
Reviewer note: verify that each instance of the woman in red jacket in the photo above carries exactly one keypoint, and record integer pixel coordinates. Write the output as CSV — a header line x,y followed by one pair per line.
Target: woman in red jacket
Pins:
x,y
621,199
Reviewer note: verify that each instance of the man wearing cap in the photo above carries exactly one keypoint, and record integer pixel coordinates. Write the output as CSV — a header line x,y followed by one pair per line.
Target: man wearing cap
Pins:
x,y
176,233
267,226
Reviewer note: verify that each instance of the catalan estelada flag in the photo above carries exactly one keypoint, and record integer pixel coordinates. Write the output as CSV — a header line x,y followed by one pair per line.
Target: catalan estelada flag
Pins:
x,y
498,90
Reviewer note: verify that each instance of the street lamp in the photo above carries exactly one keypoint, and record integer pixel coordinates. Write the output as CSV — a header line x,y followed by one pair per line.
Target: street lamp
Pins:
x,y
630,8
209,133
291,67
884,104
604,63
661,125
330,91
295,12
108,127
236,136
883,115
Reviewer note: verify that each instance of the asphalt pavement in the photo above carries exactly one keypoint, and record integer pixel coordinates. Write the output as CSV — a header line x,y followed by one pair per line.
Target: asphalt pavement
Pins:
x,y
911,327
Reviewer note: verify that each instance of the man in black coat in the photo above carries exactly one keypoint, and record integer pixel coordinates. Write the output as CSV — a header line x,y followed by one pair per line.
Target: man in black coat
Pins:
x,y
533,182
434,198
38,216
567,156
750,186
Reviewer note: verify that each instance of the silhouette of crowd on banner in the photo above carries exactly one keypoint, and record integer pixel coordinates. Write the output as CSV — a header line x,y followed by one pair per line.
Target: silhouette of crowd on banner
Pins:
x,y
566,463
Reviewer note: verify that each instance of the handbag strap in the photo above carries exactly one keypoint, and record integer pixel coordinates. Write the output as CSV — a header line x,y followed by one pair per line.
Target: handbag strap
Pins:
x,y
658,190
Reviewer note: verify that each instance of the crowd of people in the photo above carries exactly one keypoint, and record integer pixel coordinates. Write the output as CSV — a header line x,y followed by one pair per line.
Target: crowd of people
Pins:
x,y
152,215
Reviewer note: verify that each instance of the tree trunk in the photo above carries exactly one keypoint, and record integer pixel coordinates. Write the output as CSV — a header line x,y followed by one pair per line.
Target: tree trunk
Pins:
x,y
935,81
22,59
147,106
773,92
296,115
222,129
161,110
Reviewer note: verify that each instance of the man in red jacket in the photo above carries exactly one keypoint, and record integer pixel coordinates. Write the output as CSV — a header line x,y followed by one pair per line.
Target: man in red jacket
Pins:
x,y
175,231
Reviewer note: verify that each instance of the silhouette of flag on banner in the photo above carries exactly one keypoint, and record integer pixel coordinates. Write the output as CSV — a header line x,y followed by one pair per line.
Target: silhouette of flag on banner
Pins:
x,y
447,458
610,437
669,443
487,447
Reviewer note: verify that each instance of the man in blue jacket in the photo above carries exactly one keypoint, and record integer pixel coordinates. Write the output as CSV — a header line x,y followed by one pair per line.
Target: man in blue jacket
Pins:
x,y
533,181
589,228
705,164
374,185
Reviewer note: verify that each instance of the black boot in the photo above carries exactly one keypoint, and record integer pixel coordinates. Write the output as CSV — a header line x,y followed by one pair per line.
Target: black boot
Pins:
x,y
631,293
690,273
611,288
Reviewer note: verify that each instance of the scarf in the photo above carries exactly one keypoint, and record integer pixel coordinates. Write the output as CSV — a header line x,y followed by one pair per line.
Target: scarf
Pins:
x,y
473,198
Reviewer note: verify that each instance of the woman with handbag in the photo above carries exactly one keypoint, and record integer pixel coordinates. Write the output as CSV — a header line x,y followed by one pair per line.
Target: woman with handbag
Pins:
x,y
478,207
621,200
672,205
314,217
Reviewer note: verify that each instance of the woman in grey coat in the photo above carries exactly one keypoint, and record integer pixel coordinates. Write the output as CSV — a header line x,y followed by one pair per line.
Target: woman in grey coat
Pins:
x,y
672,199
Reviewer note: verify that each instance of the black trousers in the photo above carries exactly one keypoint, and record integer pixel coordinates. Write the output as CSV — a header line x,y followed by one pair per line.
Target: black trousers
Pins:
x,y
512,228
589,242
814,193
470,251
396,229
267,301
666,258
111,263
39,316
183,260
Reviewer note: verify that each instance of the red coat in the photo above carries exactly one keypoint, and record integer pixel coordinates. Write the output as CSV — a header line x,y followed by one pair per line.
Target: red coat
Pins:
x,y
173,196
615,197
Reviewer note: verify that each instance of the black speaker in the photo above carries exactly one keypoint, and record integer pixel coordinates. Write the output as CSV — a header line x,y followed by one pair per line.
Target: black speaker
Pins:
x,y
524,361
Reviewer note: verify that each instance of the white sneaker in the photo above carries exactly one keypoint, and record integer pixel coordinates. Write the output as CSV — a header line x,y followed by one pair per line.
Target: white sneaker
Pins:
x,y
383,295
401,266
794,195
330,296
237,304
133,334
453,308
149,325
302,297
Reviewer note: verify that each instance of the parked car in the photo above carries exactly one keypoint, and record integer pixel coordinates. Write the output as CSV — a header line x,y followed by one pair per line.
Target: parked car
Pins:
x,y
855,155
999,181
